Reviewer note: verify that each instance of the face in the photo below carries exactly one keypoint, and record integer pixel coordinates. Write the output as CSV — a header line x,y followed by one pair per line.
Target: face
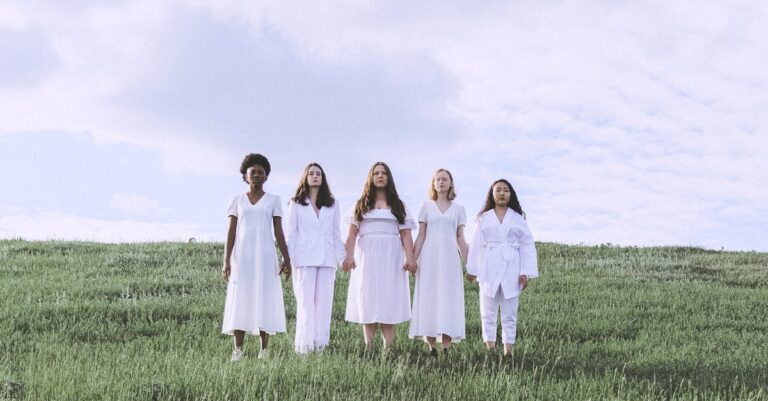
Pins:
x,y
256,175
501,194
314,176
442,182
380,178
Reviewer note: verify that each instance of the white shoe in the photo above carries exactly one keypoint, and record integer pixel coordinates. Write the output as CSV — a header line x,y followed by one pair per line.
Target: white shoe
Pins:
x,y
237,354
263,354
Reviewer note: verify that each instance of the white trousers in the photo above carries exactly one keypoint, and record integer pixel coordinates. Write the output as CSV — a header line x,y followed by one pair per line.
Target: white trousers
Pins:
x,y
313,289
489,310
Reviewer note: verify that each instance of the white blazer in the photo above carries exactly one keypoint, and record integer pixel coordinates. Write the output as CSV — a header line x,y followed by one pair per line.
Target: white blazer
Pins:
x,y
500,252
313,240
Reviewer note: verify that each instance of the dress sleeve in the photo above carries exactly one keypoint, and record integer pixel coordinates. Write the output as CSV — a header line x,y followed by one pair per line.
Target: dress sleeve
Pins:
x,y
409,223
277,207
529,264
476,248
462,216
232,208
423,213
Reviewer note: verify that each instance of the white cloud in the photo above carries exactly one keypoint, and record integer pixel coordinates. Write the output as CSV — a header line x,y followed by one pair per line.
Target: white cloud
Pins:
x,y
633,123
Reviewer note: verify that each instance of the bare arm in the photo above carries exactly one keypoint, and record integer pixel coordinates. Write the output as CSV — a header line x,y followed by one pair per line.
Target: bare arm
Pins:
x,y
285,267
462,244
226,270
349,260
407,240
420,240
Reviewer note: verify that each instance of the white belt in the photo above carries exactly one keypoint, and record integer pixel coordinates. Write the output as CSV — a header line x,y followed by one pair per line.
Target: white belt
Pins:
x,y
506,247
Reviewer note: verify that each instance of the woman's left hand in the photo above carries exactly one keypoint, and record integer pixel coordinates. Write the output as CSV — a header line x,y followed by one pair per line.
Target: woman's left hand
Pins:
x,y
523,280
285,268
411,266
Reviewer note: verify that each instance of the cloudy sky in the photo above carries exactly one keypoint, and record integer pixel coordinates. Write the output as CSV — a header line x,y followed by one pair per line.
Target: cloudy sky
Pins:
x,y
632,123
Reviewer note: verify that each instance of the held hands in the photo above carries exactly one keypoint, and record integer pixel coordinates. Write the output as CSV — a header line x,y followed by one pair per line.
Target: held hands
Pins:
x,y
523,280
411,266
285,268
348,264
471,278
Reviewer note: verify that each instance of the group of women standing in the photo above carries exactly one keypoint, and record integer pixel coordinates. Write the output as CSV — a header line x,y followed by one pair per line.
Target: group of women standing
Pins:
x,y
379,252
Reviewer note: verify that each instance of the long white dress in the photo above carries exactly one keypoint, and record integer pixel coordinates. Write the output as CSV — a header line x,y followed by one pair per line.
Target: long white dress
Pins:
x,y
438,297
254,293
378,287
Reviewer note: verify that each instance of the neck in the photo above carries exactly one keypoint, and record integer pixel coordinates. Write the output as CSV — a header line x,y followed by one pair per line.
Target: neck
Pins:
x,y
256,190
500,208
313,191
442,197
381,194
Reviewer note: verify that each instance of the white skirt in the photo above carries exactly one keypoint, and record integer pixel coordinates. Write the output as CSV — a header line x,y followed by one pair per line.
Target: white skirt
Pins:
x,y
378,287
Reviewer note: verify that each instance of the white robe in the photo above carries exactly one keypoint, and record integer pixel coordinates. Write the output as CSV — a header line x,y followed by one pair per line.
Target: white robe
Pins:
x,y
500,252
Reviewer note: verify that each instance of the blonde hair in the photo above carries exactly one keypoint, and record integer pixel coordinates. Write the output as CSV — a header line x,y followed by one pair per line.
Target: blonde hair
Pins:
x,y
451,191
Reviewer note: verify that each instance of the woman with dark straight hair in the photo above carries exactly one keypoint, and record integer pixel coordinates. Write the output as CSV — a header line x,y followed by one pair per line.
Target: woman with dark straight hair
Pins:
x,y
378,242
502,257
314,243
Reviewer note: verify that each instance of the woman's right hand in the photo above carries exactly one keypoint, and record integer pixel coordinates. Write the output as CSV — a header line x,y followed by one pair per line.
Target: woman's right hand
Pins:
x,y
349,264
471,278
226,270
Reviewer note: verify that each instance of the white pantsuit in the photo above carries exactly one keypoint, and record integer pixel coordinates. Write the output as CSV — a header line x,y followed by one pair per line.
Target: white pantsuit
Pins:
x,y
315,246
499,253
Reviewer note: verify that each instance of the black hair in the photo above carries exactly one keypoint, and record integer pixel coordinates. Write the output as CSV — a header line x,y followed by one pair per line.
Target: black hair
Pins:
x,y
253,159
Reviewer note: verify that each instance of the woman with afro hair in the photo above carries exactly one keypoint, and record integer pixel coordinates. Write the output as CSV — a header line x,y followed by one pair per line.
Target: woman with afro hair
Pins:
x,y
254,303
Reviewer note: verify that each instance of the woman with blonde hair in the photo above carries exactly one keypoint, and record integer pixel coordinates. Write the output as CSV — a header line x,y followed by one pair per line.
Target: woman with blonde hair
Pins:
x,y
438,298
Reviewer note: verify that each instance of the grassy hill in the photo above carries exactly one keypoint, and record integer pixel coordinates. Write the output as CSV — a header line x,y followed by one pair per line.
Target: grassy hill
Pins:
x,y
85,321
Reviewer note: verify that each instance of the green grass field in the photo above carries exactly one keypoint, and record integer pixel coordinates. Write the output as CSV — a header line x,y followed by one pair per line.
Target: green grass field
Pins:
x,y
85,321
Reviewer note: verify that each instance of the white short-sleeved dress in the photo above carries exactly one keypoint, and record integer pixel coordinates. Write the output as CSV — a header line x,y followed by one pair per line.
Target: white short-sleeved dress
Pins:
x,y
378,287
254,293
438,297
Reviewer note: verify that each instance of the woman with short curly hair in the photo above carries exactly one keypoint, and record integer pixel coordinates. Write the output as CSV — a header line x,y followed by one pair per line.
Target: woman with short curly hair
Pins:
x,y
254,302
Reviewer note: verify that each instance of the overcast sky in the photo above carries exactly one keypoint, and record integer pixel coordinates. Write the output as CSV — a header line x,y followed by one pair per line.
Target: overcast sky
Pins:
x,y
632,123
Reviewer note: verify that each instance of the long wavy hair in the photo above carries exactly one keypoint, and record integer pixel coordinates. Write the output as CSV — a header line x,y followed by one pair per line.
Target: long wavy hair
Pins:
x,y
433,192
367,200
514,203
324,195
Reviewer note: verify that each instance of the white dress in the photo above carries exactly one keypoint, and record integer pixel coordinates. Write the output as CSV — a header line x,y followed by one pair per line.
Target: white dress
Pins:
x,y
378,287
438,297
254,293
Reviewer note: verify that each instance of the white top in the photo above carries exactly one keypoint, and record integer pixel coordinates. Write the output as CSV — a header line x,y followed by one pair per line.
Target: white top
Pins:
x,y
313,240
500,252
